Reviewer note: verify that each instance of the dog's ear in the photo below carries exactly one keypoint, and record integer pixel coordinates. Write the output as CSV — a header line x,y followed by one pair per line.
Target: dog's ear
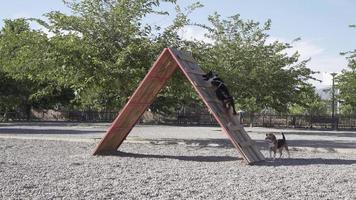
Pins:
x,y
207,75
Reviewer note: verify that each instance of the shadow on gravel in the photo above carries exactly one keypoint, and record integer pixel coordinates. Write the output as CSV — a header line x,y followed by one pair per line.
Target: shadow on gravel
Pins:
x,y
201,143
305,161
326,133
327,145
45,131
184,158
54,123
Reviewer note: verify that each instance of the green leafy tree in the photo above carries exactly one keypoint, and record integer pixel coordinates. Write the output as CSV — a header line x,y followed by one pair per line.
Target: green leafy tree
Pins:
x,y
347,110
8,98
312,105
346,82
260,75
102,50
178,93
23,67
99,53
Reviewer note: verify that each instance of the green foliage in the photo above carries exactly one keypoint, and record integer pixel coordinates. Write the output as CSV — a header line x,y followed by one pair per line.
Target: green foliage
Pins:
x,y
10,93
25,78
103,50
259,74
347,110
346,82
312,106
178,93
95,57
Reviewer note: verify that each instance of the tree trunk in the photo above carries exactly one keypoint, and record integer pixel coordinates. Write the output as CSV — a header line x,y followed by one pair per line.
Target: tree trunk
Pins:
x,y
5,117
252,118
28,112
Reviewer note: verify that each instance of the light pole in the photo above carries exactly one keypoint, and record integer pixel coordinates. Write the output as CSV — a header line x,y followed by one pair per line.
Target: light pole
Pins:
x,y
333,101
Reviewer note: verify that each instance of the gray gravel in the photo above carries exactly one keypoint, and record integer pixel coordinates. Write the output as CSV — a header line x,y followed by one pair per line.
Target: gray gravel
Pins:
x,y
48,169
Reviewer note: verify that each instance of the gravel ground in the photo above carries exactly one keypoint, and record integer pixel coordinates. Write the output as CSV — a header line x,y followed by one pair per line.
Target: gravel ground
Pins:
x,y
47,169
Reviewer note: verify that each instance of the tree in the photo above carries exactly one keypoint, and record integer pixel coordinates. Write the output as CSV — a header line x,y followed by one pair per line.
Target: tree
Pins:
x,y
102,50
314,106
346,82
23,69
259,74
8,98
178,93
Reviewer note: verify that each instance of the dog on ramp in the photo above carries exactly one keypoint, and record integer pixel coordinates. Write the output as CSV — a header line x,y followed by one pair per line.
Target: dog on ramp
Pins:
x,y
221,90
275,145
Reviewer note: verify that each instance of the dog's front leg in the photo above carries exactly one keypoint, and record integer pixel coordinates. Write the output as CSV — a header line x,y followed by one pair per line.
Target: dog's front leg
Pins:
x,y
270,153
286,147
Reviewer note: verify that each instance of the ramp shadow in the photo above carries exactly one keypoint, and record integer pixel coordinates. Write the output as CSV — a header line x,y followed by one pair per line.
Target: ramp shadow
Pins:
x,y
184,158
328,145
29,131
305,161
326,133
201,143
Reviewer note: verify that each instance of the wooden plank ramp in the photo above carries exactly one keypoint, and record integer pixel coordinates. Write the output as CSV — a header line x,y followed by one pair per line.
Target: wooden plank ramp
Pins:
x,y
167,63
228,122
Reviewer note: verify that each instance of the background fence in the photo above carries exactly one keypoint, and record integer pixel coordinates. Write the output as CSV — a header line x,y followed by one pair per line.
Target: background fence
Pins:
x,y
194,119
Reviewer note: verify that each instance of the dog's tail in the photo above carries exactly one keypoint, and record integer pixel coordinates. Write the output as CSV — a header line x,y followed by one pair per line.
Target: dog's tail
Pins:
x,y
233,110
284,138
233,106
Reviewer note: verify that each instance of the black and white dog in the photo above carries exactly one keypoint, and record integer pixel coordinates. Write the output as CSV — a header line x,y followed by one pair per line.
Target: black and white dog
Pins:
x,y
221,90
274,145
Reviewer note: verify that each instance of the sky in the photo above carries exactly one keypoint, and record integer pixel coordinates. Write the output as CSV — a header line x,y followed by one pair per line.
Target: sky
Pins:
x,y
322,25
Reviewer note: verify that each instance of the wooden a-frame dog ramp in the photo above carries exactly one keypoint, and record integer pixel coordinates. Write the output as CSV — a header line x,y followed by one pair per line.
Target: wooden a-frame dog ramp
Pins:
x,y
168,62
